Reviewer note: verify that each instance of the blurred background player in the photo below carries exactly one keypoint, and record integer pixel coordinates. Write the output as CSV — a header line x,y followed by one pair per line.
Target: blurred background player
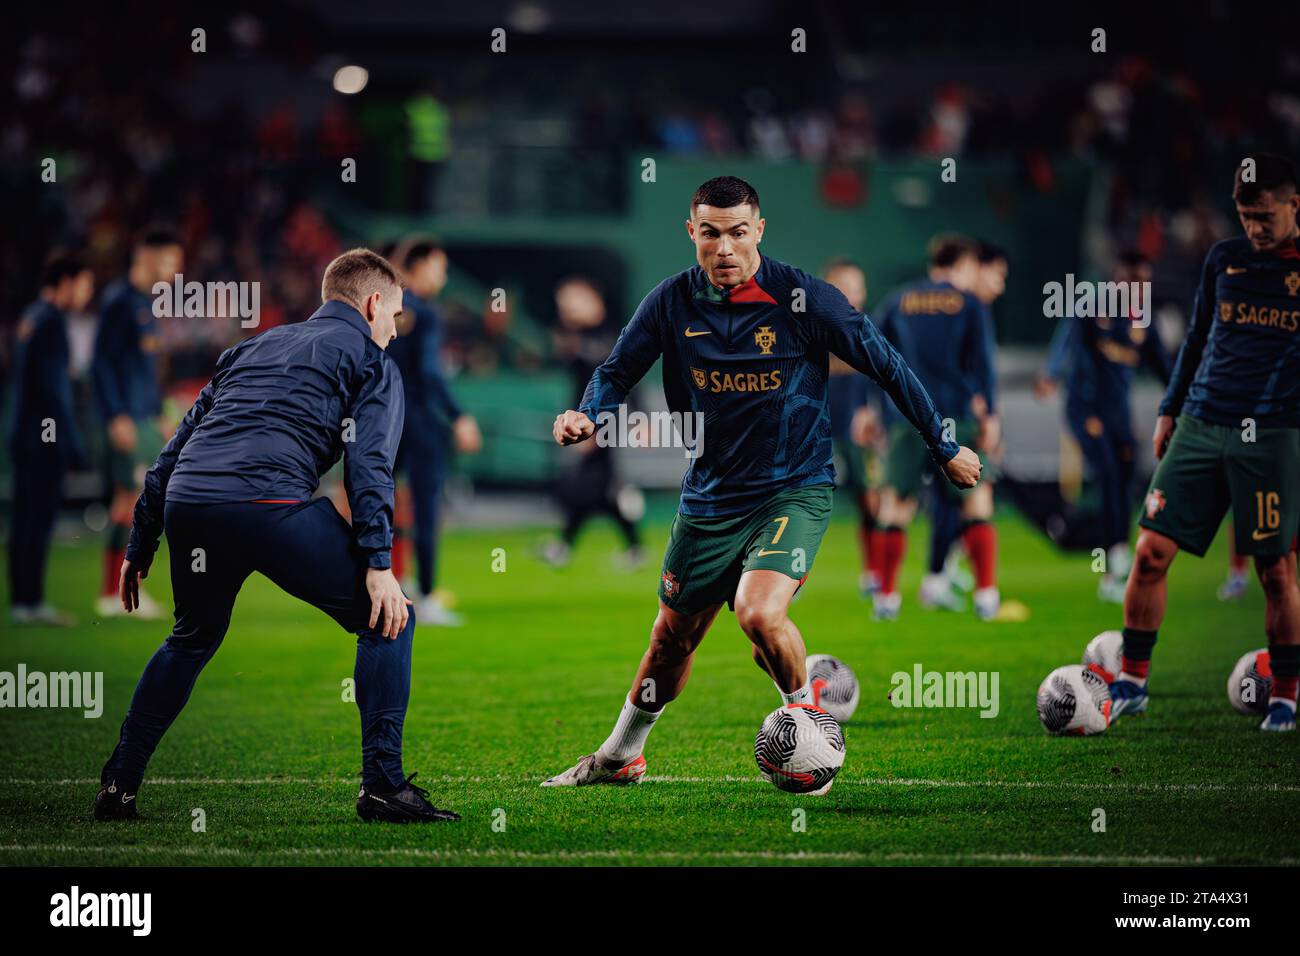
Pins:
x,y
1097,357
581,343
434,421
941,330
126,379
1228,436
946,525
855,425
43,436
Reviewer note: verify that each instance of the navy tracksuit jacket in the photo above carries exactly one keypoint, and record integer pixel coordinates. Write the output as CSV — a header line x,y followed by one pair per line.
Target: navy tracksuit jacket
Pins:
x,y
233,491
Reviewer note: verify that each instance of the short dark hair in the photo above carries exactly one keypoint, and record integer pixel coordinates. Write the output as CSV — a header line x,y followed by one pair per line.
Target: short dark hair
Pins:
x,y
1273,173
991,252
356,275
61,264
156,235
416,249
949,248
725,192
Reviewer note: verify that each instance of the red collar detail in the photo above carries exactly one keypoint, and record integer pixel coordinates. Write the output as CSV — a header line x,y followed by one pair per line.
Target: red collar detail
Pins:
x,y
750,291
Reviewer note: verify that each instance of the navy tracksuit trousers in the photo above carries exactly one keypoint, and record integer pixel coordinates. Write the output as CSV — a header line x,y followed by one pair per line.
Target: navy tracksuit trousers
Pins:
x,y
307,549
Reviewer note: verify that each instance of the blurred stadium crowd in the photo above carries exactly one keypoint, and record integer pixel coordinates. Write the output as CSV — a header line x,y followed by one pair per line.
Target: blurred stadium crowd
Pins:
x,y
235,148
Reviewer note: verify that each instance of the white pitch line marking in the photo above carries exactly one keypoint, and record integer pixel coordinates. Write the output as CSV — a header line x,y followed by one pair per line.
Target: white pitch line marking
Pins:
x,y
810,856
841,781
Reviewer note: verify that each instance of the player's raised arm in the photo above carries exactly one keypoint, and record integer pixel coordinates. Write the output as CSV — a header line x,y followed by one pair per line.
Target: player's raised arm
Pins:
x,y
852,336
639,345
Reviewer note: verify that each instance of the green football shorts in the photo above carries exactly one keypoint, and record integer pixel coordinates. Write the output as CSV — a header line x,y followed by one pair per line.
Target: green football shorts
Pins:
x,y
908,460
855,467
706,556
127,469
1208,468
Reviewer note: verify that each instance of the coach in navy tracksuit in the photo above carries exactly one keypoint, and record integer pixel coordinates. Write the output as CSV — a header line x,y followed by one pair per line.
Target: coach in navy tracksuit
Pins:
x,y
43,436
233,491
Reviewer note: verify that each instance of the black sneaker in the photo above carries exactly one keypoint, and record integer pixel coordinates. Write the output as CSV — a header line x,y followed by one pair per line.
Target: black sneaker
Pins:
x,y
114,803
407,804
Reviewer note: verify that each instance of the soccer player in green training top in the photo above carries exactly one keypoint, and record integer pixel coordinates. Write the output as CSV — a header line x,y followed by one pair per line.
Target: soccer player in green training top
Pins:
x,y
1228,434
745,342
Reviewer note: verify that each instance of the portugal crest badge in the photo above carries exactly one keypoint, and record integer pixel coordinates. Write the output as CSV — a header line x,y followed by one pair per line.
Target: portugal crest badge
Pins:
x,y
1155,502
671,586
765,338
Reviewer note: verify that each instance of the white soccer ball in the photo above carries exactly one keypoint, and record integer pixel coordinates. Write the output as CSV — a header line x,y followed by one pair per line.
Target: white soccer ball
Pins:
x,y
1250,682
800,749
834,686
1074,700
1104,654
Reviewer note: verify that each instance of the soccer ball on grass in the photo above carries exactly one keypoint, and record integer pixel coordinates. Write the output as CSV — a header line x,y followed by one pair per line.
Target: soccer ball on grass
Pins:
x,y
800,749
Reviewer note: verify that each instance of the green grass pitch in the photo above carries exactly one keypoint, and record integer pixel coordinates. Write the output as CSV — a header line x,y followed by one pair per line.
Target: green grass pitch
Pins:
x,y
268,748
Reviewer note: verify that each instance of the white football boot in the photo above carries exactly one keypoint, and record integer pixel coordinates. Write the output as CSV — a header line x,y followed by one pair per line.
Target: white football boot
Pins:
x,y
590,770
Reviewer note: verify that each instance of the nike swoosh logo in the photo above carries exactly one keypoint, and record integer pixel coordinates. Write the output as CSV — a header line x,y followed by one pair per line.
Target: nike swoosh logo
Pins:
x,y
764,553
1234,271
691,335
1255,535
128,797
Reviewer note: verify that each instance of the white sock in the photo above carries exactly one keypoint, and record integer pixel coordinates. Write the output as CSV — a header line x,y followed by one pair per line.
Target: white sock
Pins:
x,y
935,584
1118,560
1282,700
627,739
801,696
1125,675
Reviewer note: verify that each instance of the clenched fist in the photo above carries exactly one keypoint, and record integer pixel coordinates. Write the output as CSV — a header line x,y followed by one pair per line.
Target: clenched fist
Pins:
x,y
963,469
572,427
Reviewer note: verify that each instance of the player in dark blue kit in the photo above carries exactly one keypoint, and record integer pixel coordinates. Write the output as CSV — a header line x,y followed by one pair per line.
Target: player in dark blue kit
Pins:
x,y
125,375
233,491
1097,356
945,574
431,411
1228,436
43,437
855,426
942,331
745,342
